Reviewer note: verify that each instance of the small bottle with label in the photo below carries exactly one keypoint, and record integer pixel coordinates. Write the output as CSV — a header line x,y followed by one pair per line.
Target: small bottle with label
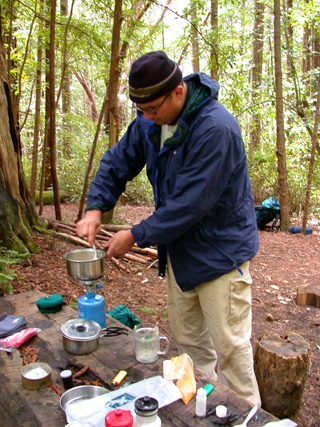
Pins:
x,y
146,412
201,402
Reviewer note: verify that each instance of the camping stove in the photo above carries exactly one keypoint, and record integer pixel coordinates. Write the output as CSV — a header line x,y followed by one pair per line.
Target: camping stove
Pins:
x,y
86,265
91,305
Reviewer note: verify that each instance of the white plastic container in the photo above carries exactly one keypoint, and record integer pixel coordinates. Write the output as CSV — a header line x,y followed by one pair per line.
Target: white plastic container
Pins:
x,y
201,403
146,412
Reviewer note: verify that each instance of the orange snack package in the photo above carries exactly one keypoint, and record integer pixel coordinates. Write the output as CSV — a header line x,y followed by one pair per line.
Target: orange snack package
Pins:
x,y
182,371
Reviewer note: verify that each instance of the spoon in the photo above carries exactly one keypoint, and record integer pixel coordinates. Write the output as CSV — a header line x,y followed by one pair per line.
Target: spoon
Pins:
x,y
95,251
249,416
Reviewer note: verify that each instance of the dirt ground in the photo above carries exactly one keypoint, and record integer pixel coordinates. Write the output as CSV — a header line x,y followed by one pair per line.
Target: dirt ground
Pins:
x,y
284,262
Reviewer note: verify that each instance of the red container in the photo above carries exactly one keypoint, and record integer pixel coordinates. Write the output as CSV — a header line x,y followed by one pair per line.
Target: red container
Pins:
x,y
119,418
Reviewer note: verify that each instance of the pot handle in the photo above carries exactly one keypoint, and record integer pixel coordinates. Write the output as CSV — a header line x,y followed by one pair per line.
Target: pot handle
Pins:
x,y
113,331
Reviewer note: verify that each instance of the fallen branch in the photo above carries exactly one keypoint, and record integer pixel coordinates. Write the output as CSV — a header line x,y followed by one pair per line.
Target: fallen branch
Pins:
x,y
115,228
119,265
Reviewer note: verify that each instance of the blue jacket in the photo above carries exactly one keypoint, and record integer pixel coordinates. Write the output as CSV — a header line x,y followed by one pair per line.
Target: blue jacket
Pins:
x,y
204,216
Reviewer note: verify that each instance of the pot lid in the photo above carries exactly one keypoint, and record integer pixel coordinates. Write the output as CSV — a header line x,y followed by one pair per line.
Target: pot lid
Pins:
x,y
81,329
146,406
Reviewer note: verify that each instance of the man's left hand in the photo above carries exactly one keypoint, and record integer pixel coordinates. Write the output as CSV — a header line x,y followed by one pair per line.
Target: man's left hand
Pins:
x,y
119,244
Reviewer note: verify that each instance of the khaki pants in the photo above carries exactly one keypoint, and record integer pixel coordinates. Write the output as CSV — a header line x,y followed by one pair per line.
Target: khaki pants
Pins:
x,y
212,323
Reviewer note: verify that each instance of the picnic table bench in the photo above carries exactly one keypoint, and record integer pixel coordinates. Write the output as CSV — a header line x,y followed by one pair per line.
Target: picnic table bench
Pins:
x,y
23,408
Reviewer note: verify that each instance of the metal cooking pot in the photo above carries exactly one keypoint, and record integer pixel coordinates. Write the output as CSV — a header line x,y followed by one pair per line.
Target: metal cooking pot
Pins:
x,y
82,264
80,336
79,393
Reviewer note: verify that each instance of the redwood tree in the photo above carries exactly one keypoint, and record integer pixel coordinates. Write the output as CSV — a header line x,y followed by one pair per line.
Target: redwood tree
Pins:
x,y
17,212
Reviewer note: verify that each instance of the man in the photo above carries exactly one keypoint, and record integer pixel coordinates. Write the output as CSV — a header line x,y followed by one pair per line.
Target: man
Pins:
x,y
204,222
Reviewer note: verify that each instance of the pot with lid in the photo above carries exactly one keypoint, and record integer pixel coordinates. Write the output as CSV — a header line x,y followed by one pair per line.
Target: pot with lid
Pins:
x,y
80,336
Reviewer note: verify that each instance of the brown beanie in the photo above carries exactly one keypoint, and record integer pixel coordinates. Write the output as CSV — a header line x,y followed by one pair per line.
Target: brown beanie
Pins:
x,y
151,76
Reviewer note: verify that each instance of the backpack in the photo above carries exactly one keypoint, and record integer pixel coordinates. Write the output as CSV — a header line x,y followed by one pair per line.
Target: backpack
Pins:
x,y
268,211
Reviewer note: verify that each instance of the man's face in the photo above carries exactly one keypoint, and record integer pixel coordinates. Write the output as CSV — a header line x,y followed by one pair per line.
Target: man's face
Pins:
x,y
165,109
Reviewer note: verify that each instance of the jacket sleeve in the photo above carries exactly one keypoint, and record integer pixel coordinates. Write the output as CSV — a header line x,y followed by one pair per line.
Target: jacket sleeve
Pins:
x,y
119,164
215,157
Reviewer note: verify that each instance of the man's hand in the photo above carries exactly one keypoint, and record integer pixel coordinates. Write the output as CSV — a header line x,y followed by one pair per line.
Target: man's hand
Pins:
x,y
119,244
89,226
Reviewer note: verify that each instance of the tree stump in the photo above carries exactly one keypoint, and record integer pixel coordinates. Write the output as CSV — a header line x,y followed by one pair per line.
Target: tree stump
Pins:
x,y
308,295
281,365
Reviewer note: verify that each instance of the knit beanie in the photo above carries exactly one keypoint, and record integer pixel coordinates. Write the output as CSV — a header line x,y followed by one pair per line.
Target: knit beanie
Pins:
x,y
151,76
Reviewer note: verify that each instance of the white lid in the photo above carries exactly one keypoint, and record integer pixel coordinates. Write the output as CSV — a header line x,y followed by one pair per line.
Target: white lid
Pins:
x,y
221,411
66,373
201,392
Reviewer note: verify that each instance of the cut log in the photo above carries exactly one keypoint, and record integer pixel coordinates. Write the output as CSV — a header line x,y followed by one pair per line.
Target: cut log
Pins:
x,y
309,295
281,365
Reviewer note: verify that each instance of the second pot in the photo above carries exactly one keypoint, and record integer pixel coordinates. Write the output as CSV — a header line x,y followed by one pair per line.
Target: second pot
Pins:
x,y
80,336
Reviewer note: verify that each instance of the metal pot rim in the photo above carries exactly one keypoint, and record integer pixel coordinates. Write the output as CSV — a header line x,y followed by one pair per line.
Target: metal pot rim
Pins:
x,y
68,255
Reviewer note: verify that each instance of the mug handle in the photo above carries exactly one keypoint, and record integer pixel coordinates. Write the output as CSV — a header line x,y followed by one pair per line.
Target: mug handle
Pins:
x,y
167,347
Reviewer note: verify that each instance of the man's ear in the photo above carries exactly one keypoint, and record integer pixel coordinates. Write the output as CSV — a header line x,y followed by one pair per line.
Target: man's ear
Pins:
x,y
178,90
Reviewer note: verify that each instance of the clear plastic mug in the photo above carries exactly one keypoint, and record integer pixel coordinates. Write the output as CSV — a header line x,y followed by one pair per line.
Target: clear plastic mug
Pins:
x,y
147,342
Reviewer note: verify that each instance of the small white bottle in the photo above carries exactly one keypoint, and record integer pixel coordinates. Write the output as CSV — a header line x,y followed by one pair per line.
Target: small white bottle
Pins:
x,y
146,412
201,402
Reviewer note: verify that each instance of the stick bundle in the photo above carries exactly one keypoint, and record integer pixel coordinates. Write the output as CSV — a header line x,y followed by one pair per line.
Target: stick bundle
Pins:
x,y
145,256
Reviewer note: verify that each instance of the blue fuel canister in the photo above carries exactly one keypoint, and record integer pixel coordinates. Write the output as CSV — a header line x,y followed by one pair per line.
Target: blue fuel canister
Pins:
x,y
91,307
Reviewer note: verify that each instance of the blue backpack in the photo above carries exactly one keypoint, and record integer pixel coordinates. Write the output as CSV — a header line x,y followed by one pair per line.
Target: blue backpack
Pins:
x,y
268,211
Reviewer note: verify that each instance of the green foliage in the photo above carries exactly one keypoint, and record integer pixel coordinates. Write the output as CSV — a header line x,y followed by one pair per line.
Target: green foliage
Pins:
x,y
47,197
140,190
87,49
7,274
147,310
74,304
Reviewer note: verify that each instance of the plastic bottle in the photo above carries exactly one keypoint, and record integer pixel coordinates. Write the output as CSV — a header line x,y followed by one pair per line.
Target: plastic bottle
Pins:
x,y
146,412
201,402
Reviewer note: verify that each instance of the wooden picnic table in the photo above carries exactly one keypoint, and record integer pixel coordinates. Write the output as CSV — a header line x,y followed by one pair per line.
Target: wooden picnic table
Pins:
x,y
23,408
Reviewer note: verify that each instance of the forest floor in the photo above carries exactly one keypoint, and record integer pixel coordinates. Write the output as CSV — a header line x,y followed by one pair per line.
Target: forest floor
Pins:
x,y
284,262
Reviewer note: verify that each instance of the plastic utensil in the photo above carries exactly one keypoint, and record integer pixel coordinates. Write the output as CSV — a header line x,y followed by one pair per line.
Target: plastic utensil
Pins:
x,y
249,416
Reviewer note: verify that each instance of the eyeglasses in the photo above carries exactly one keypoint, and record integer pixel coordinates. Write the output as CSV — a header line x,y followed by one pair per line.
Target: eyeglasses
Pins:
x,y
149,110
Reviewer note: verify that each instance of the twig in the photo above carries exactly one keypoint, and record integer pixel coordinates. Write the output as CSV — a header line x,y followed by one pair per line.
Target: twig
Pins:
x,y
119,265
82,371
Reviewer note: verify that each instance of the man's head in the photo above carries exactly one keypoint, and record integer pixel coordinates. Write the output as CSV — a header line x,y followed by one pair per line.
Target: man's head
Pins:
x,y
155,85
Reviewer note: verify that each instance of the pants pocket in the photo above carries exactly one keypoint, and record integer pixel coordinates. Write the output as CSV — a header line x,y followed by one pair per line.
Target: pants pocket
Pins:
x,y
240,299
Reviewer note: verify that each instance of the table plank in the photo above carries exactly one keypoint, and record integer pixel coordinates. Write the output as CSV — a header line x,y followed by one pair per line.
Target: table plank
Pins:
x,y
23,408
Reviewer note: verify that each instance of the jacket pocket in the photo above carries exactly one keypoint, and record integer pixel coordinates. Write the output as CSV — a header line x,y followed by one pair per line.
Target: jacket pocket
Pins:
x,y
240,298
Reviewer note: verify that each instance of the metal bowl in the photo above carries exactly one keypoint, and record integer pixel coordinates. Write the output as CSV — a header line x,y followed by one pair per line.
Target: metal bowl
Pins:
x,y
82,392
82,264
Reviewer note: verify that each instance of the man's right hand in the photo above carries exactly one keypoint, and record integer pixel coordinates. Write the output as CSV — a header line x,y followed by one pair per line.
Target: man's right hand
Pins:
x,y
90,225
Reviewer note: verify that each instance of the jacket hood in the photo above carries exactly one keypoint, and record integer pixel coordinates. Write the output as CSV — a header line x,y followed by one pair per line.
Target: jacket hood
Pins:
x,y
202,89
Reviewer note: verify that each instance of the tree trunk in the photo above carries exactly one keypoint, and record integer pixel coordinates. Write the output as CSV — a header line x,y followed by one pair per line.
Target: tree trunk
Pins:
x,y
214,65
17,212
194,37
46,154
52,133
281,366
306,47
66,89
90,107
86,180
289,39
115,75
35,148
312,160
281,150
257,58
